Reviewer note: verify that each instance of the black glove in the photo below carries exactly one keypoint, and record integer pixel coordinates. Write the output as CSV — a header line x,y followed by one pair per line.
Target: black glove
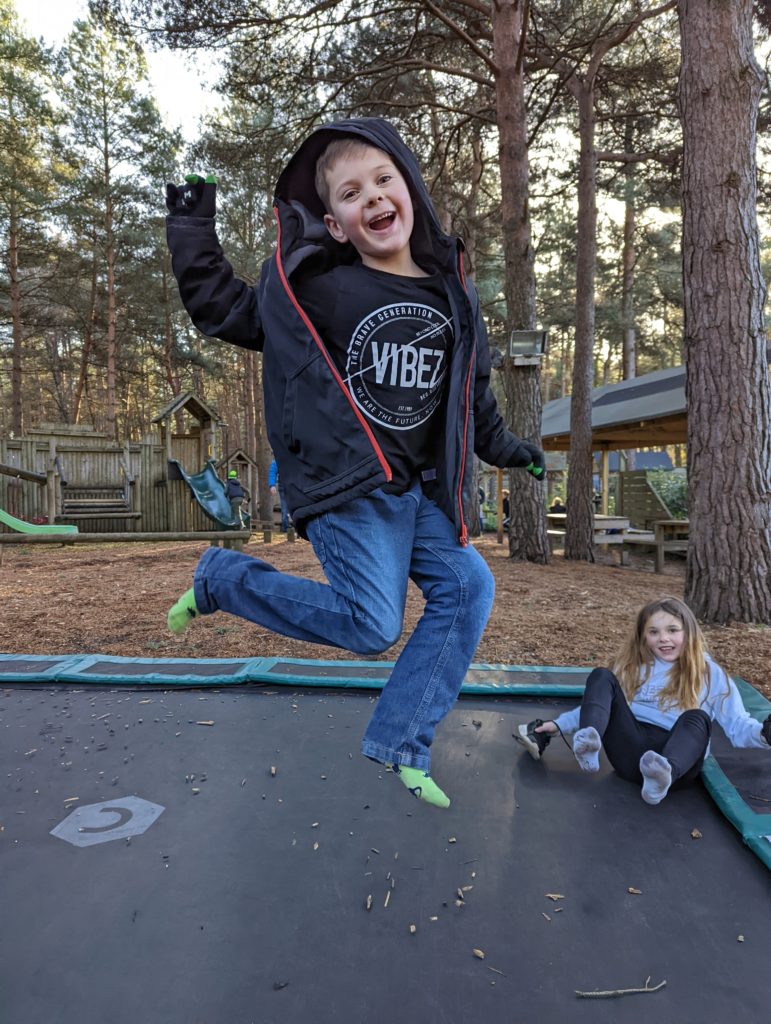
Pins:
x,y
765,730
196,198
528,457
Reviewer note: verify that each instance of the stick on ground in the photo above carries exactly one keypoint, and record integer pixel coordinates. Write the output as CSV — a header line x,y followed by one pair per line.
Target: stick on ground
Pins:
x,y
611,993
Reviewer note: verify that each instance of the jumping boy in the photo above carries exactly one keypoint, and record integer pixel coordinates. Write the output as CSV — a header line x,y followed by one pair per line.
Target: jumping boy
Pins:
x,y
376,377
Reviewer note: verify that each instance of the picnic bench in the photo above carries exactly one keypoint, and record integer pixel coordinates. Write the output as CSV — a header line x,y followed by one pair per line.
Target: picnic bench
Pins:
x,y
607,529
667,535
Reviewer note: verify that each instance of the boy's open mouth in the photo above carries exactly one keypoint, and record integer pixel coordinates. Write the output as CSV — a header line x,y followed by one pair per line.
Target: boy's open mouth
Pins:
x,y
382,221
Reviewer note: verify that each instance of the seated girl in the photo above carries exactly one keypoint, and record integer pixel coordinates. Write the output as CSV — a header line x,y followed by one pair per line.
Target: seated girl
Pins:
x,y
653,712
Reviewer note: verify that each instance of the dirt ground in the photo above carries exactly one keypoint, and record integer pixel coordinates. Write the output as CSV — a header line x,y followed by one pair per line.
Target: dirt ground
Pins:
x,y
112,599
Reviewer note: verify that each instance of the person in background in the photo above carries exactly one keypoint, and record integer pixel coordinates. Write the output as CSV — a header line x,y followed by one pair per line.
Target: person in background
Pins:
x,y
274,480
653,711
557,506
236,493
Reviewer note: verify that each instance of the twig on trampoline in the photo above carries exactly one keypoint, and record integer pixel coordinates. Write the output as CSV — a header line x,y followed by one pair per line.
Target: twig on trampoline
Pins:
x,y
610,993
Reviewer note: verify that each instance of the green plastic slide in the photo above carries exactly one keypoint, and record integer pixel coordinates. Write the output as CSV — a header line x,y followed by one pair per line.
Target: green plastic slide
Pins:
x,y
209,491
21,527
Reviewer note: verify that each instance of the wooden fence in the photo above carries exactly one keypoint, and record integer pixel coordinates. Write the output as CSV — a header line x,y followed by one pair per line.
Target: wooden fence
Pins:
x,y
638,501
78,474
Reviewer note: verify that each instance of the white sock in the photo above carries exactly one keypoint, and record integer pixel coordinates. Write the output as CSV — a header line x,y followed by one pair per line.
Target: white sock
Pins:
x,y
657,776
586,747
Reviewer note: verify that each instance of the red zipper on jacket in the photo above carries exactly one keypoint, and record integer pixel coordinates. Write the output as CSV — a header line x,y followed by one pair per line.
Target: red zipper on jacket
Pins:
x,y
322,348
463,527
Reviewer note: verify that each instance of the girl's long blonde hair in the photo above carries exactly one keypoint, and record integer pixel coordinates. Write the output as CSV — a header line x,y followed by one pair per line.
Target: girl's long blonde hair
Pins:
x,y
688,674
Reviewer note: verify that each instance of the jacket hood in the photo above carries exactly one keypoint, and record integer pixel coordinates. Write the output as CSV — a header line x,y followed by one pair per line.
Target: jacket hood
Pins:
x,y
296,184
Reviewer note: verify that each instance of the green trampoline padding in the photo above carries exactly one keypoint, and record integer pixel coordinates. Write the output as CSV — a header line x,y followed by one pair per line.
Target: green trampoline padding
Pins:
x,y
21,527
94,669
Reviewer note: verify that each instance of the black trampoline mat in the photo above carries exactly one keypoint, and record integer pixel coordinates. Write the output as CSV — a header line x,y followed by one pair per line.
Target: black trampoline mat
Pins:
x,y
747,771
33,666
330,670
156,667
226,895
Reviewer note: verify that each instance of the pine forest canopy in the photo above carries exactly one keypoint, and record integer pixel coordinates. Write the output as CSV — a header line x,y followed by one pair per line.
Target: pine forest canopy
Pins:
x,y
150,349
550,135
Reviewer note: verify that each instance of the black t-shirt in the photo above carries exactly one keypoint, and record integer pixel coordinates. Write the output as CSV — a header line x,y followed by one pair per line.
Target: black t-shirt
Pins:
x,y
390,337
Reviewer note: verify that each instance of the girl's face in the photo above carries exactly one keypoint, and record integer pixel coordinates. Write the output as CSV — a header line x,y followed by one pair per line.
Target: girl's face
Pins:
x,y
664,636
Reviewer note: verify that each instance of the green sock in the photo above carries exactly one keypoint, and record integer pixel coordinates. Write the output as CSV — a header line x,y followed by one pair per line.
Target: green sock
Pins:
x,y
182,613
421,785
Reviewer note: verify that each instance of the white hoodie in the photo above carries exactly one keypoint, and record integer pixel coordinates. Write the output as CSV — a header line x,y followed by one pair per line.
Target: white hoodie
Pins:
x,y
720,699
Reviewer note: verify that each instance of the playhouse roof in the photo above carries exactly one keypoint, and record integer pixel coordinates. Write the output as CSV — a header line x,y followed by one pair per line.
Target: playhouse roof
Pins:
x,y
192,403
239,455
647,411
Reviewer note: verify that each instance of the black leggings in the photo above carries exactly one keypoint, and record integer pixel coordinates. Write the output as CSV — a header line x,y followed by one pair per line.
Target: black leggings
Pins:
x,y
625,739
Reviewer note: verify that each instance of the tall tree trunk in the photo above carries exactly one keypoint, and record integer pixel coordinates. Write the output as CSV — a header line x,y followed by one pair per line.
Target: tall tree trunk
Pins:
x,y
88,337
172,379
527,529
262,453
477,170
579,533
250,429
17,405
112,421
628,261
728,396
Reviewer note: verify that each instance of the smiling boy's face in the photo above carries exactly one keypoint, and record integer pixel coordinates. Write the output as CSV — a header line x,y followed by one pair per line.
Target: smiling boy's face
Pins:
x,y
371,207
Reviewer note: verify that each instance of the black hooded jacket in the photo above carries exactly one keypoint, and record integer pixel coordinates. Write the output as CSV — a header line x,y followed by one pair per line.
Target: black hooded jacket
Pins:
x,y
325,449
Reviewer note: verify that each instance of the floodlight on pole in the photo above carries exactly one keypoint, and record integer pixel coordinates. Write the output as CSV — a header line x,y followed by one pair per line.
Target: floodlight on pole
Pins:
x,y
527,347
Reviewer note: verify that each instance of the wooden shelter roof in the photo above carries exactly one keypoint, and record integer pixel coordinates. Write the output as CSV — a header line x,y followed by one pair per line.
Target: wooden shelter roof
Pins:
x,y
645,412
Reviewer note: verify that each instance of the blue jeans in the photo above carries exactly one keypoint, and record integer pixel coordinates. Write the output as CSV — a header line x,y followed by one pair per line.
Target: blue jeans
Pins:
x,y
369,550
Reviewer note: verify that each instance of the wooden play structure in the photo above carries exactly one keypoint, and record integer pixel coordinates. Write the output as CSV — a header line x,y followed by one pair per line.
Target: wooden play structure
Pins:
x,y
73,474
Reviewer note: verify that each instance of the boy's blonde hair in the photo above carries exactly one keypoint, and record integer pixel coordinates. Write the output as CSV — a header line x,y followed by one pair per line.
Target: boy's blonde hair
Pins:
x,y
688,674
340,149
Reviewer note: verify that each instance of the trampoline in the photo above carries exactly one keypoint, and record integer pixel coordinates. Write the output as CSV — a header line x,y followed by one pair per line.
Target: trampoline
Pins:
x,y
216,851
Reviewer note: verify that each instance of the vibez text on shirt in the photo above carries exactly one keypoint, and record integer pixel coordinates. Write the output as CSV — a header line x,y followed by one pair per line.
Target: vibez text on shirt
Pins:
x,y
407,367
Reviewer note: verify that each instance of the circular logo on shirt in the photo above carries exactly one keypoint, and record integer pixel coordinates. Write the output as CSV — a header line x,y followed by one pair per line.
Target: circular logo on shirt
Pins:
x,y
396,363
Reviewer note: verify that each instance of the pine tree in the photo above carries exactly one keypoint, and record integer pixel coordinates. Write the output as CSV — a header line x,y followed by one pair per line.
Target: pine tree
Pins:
x,y
25,118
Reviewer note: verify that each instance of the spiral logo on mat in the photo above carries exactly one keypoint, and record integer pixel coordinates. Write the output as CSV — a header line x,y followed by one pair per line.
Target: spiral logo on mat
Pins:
x,y
121,818
396,363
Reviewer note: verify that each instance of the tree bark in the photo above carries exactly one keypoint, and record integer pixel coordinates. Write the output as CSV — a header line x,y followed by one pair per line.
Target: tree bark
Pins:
x,y
88,338
112,316
728,396
579,532
172,378
17,405
262,453
628,260
527,528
